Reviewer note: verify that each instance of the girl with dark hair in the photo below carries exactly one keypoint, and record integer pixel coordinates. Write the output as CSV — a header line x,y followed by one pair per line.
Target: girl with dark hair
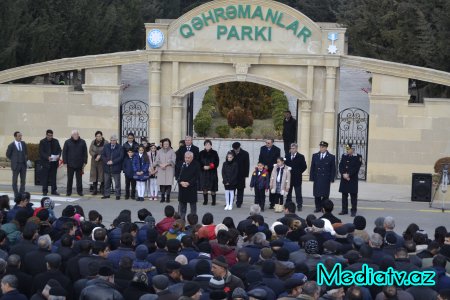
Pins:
x,y
4,208
152,185
229,178
209,161
141,166
280,181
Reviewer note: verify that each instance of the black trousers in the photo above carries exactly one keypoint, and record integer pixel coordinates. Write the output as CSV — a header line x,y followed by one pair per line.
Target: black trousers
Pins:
x,y
260,197
239,197
298,195
70,172
287,146
130,182
318,201
22,171
182,209
48,176
354,201
277,199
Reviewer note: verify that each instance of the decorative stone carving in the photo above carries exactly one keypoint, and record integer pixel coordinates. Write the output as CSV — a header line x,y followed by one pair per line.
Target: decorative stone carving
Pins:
x,y
305,105
241,70
155,66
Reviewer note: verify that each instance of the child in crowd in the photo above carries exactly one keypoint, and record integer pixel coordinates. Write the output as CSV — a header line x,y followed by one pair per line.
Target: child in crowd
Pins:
x,y
229,177
152,188
129,173
141,165
260,182
280,181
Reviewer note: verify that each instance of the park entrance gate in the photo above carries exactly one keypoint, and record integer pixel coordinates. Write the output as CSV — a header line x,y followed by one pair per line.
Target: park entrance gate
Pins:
x,y
353,127
134,118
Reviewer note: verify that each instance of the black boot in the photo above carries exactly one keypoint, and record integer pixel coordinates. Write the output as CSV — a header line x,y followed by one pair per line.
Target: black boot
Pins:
x,y
94,188
205,199
168,197
213,202
163,198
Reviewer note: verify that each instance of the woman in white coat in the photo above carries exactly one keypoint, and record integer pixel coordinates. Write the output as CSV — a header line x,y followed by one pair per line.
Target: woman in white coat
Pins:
x,y
280,180
165,164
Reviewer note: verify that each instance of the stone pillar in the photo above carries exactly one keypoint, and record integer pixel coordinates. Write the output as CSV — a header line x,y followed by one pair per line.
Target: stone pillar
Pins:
x,y
155,101
329,112
177,116
305,133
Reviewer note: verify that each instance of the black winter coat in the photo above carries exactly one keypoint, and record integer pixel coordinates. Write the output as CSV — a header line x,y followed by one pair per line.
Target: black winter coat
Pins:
x,y
298,166
47,148
208,178
229,175
323,172
349,164
75,153
289,130
189,174
116,156
243,161
269,157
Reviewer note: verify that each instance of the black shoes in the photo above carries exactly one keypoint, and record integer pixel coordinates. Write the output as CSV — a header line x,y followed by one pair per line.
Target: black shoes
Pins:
x,y
140,199
117,197
343,213
127,197
80,194
353,214
299,208
106,197
55,194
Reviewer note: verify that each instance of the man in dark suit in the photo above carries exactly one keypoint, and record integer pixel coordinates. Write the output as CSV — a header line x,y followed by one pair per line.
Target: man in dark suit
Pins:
x,y
268,155
49,153
112,157
188,146
187,184
75,157
349,168
297,163
18,155
289,131
323,171
242,159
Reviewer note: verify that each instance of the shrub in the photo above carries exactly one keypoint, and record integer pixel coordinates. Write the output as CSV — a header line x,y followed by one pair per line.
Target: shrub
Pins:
x,y
33,151
239,117
268,133
202,122
279,105
248,131
223,131
238,133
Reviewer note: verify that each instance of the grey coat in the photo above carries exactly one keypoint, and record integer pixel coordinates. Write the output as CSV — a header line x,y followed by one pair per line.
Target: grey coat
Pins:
x,y
165,177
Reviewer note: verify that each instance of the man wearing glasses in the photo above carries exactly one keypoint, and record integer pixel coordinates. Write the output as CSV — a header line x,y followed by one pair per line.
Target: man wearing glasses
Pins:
x,y
268,155
349,169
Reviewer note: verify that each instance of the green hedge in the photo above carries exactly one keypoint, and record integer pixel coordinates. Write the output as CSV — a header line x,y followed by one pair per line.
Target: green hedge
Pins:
x,y
279,105
203,119
223,131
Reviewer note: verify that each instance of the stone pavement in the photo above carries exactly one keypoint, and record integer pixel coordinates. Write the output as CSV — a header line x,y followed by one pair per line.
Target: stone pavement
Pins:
x,y
404,211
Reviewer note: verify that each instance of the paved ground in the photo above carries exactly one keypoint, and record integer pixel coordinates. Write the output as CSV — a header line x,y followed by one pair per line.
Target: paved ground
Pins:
x,y
403,212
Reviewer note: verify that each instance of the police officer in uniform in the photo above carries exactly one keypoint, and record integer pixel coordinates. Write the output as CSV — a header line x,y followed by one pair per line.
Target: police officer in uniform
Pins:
x,y
349,169
323,171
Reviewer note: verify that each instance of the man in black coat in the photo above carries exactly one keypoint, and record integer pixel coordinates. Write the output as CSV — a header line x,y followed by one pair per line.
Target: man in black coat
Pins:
x,y
75,157
112,157
18,155
35,260
268,155
349,168
289,131
49,153
187,184
242,159
323,171
13,268
53,262
297,163
188,146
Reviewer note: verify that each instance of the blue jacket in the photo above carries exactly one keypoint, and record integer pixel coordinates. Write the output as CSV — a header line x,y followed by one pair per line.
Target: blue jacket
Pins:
x,y
141,165
114,237
127,167
115,155
116,255
12,213
190,253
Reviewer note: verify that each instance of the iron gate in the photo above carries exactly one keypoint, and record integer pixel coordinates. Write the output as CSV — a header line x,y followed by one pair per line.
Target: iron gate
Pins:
x,y
353,127
133,118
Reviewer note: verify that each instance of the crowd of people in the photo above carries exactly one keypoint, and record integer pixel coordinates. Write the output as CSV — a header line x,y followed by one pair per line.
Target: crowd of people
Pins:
x,y
75,256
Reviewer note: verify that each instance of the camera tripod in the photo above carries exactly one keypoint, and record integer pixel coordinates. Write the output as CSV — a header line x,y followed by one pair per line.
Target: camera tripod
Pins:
x,y
443,183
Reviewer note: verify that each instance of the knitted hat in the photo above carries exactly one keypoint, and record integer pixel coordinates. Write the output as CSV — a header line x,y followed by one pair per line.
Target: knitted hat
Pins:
x,y
172,265
202,267
239,293
141,252
312,247
257,294
161,282
220,261
218,295
187,272
216,283
359,222
283,254
281,229
105,271
150,220
190,288
390,239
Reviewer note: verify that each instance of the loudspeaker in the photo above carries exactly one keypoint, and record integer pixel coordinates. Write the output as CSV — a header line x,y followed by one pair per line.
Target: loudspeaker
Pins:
x,y
421,187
